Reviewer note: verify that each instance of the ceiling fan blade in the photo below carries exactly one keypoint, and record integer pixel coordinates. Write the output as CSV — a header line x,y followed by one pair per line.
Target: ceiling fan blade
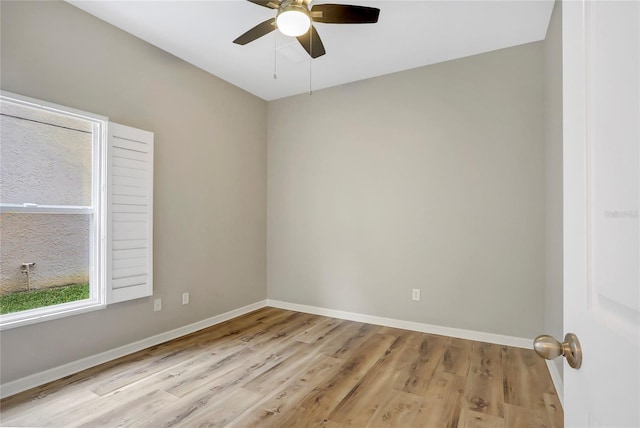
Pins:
x,y
256,32
344,14
311,42
271,4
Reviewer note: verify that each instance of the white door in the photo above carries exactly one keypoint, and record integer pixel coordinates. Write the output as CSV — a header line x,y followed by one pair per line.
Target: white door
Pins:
x,y
601,95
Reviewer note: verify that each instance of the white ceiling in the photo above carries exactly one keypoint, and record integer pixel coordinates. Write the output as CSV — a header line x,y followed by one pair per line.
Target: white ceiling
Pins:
x,y
409,34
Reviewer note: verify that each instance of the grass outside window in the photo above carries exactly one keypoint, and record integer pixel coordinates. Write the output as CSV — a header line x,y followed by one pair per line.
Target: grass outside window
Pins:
x,y
24,300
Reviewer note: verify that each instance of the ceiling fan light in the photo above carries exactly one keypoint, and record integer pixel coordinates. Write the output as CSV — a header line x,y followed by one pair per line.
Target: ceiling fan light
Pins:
x,y
293,22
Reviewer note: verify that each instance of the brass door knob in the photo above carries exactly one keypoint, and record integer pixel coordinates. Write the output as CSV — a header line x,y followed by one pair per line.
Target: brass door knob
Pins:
x,y
548,347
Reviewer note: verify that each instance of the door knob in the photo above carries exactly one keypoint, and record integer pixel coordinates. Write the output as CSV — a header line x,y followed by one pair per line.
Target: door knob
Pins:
x,y
548,347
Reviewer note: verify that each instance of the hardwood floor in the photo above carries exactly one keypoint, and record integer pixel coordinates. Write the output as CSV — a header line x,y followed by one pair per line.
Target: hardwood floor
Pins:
x,y
278,368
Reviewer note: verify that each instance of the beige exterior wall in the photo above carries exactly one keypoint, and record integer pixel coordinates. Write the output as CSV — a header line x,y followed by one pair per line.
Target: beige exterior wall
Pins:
x,y
57,244
45,159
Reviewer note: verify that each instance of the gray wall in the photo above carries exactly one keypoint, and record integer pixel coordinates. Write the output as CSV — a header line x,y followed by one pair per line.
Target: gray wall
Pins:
x,y
431,178
210,175
553,184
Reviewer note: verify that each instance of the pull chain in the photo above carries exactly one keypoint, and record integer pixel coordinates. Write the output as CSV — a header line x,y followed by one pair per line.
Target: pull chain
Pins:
x,y
275,54
310,58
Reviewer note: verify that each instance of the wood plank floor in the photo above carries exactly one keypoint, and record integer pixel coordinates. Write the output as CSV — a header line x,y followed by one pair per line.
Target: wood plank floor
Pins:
x,y
278,368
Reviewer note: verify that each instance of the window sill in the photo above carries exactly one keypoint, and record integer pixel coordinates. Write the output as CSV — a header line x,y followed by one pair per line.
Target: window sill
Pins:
x,y
48,313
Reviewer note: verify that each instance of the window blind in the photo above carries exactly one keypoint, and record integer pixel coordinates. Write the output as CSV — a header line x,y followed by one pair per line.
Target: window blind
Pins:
x,y
130,213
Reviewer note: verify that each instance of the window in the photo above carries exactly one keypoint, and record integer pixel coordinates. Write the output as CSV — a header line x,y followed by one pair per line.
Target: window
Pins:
x,y
75,211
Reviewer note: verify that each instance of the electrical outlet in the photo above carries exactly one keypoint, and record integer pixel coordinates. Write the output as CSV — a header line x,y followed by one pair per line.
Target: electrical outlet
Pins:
x,y
157,305
185,298
415,294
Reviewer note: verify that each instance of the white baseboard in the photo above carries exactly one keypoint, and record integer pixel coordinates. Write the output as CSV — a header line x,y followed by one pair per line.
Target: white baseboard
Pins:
x,y
498,339
557,380
37,379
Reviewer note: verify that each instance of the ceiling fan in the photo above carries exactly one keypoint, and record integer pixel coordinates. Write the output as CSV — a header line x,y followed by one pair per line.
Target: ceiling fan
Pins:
x,y
294,19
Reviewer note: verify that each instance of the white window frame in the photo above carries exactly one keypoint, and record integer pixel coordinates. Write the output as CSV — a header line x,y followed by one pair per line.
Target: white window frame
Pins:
x,y
98,235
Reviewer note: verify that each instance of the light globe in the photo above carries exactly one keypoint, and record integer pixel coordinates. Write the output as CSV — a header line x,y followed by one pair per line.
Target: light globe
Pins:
x,y
293,21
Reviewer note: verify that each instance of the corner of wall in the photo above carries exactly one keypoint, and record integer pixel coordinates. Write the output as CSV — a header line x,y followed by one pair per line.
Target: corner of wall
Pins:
x,y
553,322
